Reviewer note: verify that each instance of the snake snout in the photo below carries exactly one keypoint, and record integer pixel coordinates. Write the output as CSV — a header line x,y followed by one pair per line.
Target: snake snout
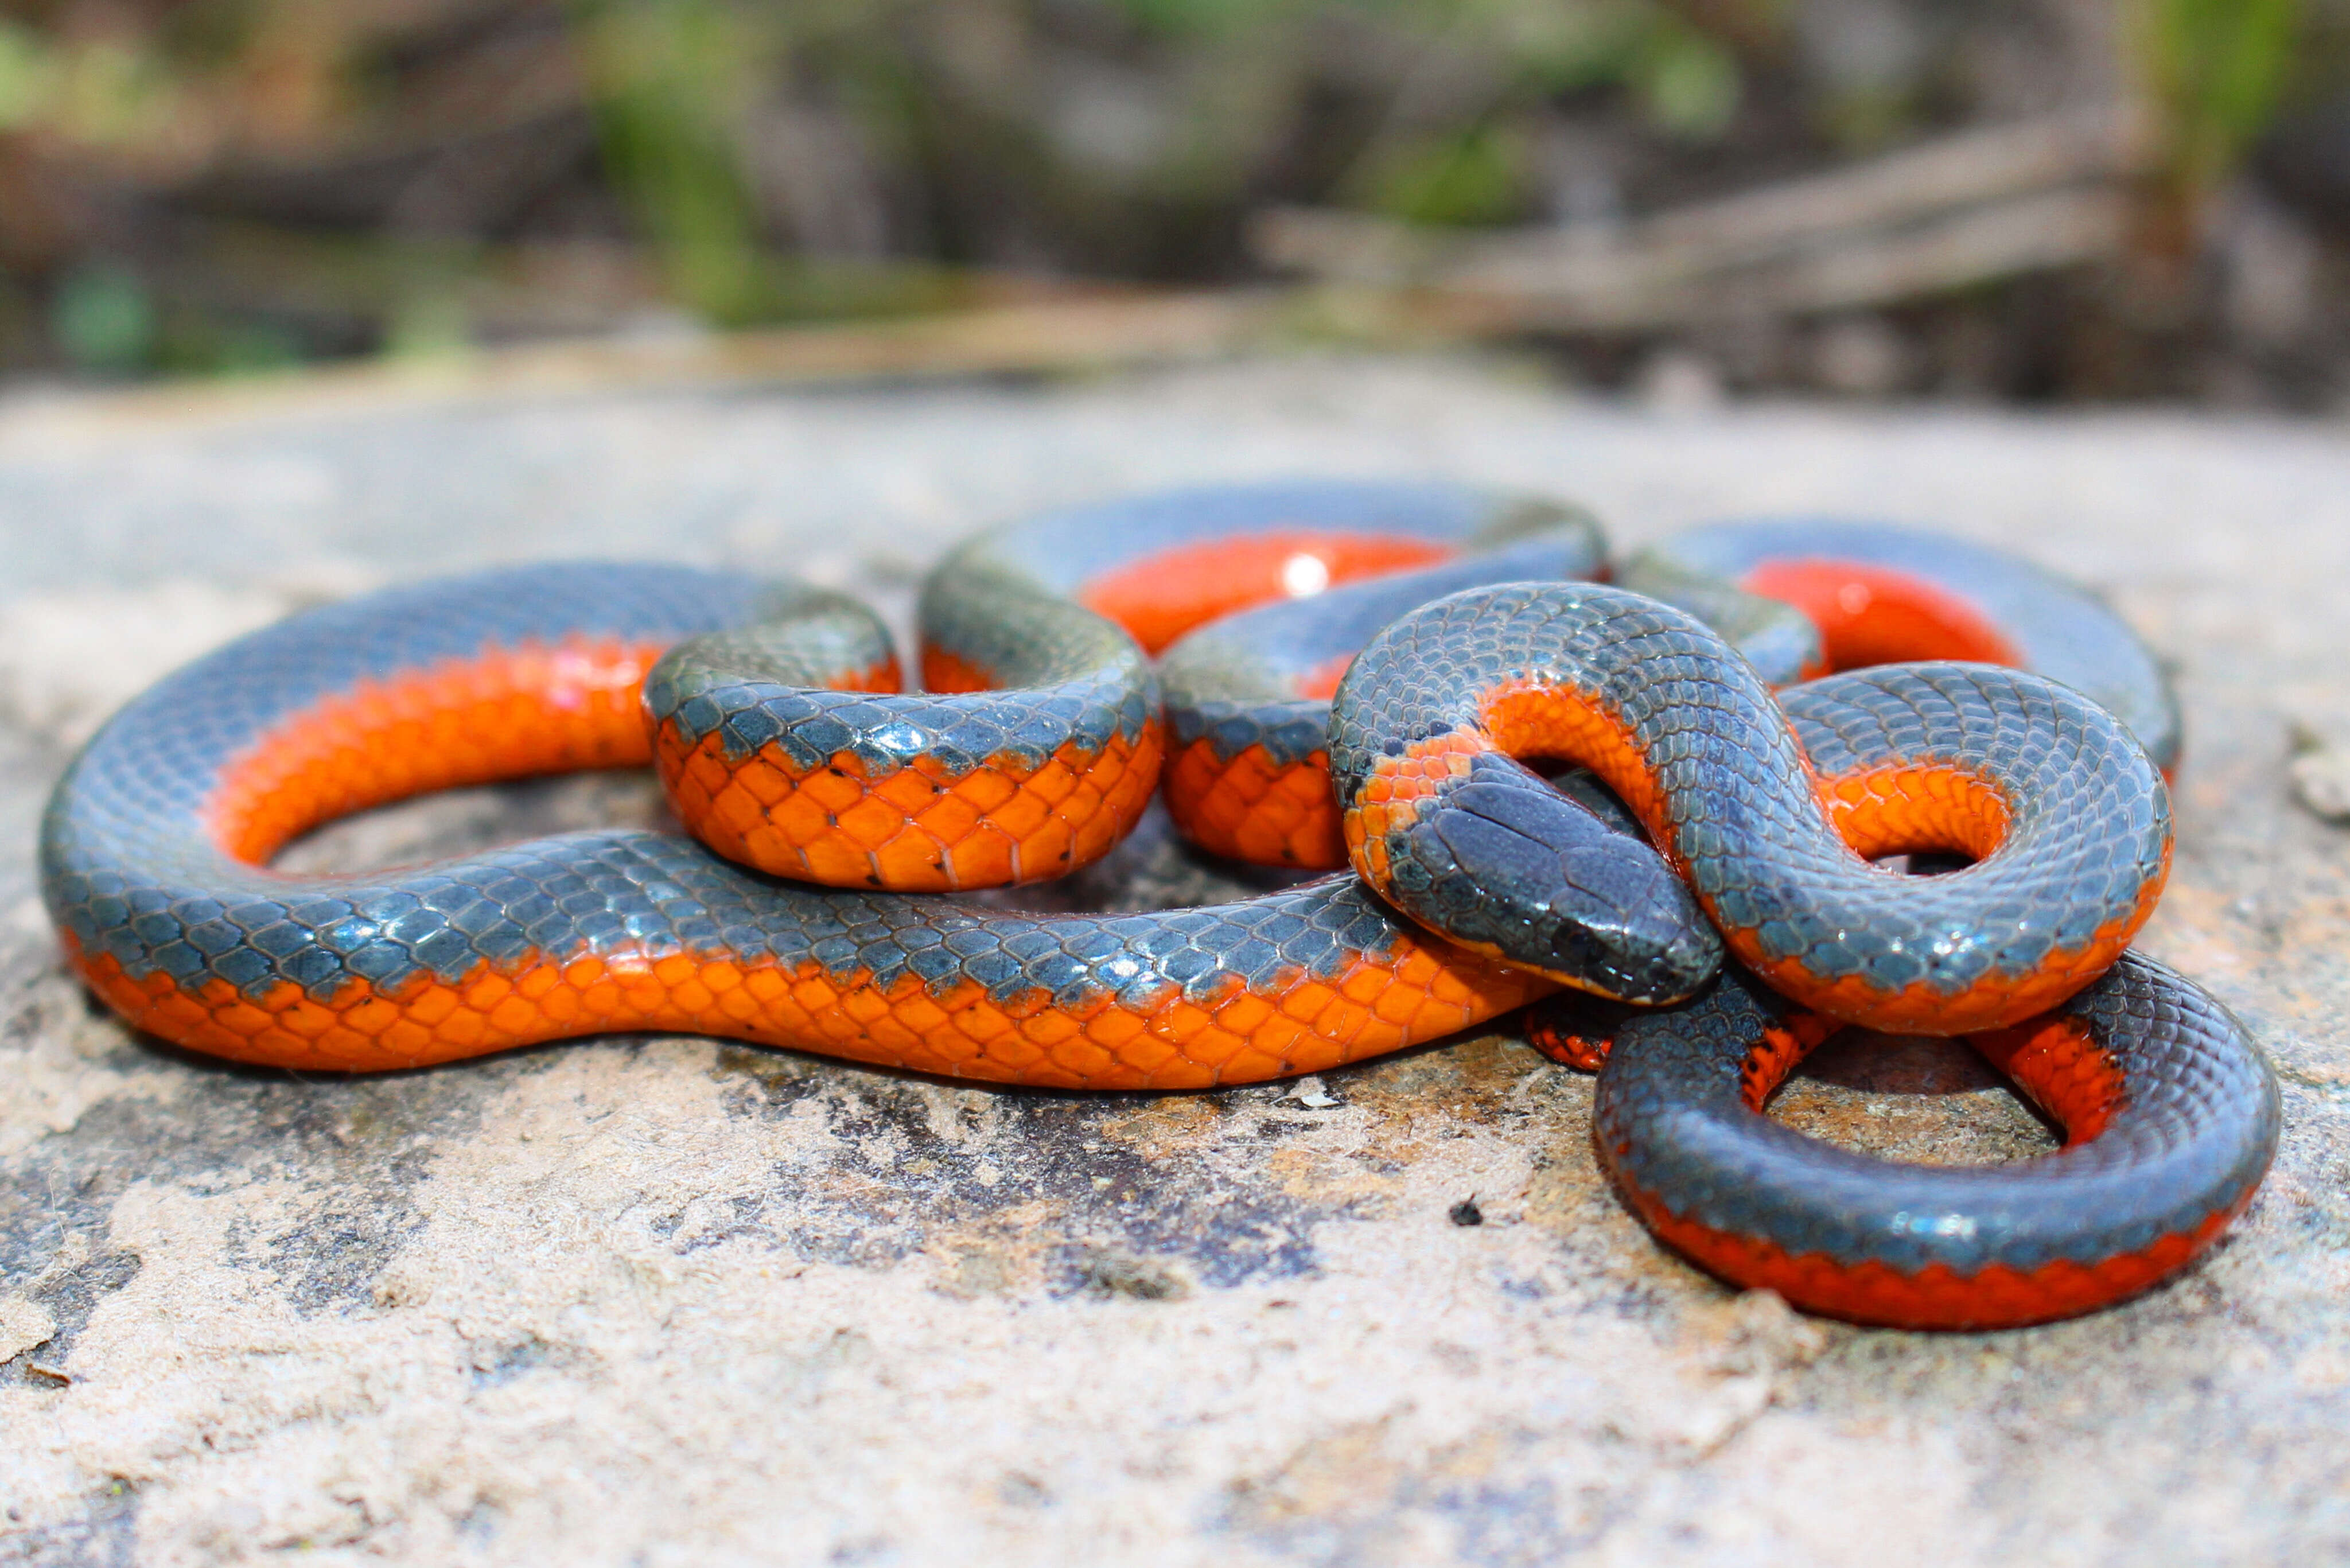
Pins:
x,y
1625,927
1503,862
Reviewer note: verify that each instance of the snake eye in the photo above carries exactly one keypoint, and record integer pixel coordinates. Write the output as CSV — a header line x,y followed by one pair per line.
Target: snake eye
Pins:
x,y
1575,948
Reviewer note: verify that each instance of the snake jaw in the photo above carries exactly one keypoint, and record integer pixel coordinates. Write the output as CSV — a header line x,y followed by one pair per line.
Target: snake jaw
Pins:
x,y
1655,963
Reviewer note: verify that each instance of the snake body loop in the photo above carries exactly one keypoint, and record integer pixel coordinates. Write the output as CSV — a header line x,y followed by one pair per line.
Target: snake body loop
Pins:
x,y
1038,739
1772,813
2170,1118
1868,593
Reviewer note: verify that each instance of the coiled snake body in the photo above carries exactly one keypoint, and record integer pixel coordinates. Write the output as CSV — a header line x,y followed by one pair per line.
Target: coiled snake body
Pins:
x,y
841,810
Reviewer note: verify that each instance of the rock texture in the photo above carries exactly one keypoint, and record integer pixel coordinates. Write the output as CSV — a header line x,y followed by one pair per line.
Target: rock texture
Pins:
x,y
669,1301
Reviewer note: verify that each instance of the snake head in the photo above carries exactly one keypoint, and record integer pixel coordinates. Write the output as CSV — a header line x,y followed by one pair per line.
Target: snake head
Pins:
x,y
1502,862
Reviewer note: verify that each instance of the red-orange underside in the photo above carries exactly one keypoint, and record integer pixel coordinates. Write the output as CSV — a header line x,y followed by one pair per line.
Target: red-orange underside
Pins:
x,y
503,714
1162,595
1252,808
1874,615
1295,1024
2065,1072
1936,1296
1248,807
919,828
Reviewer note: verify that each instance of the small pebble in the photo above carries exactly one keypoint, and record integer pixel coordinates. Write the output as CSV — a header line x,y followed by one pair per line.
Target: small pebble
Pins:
x,y
2320,776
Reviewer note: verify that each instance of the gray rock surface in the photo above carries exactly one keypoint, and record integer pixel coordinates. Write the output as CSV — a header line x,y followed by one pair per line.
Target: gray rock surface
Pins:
x,y
671,1301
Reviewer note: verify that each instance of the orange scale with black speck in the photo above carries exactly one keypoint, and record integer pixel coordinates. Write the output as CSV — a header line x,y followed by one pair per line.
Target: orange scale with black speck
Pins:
x,y
1181,1020
1012,1058
870,823
1396,1006
1080,1062
407,1040
1302,1001
1113,1026
343,1044
814,993
1048,1026
1251,808
1243,1013
980,1020
766,984
1342,1022
737,1007
1055,781
986,789
913,856
908,790
765,787
795,821
1148,1061
948,818
1247,1064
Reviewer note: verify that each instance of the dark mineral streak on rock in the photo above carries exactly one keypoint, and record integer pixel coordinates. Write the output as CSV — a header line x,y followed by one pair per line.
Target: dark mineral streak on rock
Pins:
x,y
897,1180
103,1533
69,1296
355,1149
1016,1149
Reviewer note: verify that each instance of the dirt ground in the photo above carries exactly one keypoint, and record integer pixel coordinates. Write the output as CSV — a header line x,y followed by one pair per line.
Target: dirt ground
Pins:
x,y
672,1301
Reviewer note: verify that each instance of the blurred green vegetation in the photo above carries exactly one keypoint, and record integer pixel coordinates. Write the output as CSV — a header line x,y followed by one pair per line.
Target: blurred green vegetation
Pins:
x,y
670,81
746,162
227,185
2214,72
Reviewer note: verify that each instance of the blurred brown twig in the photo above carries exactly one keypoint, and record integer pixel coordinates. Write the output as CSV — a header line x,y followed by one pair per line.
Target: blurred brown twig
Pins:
x,y
1946,216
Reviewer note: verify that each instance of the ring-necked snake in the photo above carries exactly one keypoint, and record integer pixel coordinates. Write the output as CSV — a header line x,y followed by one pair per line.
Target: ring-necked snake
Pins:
x,y
769,714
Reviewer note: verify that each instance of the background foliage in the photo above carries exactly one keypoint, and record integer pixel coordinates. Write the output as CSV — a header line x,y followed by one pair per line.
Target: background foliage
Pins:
x,y
216,185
